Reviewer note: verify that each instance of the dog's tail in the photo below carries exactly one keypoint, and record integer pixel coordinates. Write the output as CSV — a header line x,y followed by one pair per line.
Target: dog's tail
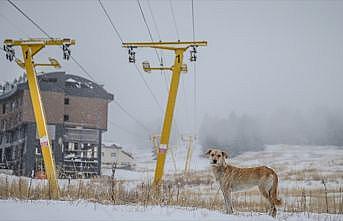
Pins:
x,y
273,191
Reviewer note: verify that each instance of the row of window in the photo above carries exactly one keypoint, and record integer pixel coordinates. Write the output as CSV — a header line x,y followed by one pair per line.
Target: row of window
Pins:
x,y
66,102
12,153
9,137
11,106
83,150
113,155
11,121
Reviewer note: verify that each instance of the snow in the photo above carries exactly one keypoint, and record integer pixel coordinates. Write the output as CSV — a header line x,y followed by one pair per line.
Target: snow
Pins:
x,y
122,174
42,210
290,162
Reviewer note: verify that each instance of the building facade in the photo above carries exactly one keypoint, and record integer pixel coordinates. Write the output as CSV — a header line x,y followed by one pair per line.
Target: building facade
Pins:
x,y
76,111
114,156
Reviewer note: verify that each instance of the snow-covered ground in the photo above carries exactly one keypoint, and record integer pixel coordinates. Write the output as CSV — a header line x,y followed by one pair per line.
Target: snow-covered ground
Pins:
x,y
41,210
298,166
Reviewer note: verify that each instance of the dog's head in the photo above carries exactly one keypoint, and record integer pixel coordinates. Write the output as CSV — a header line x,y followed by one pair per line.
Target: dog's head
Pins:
x,y
217,157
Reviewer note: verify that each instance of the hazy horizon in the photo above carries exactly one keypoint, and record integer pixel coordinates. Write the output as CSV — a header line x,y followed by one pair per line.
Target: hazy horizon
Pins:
x,y
262,56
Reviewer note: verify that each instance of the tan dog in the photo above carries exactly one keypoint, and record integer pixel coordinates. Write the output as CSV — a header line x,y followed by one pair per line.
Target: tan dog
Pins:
x,y
232,179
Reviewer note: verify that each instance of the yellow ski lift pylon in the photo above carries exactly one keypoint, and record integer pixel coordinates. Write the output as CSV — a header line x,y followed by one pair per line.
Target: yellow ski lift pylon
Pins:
x,y
179,48
30,48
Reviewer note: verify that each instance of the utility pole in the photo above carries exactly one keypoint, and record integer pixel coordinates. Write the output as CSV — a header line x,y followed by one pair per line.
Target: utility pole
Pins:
x,y
188,140
30,48
179,48
155,140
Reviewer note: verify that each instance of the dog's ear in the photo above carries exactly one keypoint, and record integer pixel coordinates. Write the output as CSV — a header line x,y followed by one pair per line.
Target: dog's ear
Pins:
x,y
208,152
226,155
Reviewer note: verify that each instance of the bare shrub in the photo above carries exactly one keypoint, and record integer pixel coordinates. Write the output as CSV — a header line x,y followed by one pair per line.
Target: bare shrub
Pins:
x,y
177,191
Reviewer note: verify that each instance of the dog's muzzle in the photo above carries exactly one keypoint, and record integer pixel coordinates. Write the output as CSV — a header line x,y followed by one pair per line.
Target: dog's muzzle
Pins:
x,y
214,161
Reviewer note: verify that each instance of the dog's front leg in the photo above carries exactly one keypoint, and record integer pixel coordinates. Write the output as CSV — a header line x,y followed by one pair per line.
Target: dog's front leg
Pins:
x,y
228,201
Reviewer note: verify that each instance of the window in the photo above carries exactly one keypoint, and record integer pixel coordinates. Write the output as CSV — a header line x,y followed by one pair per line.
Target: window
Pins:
x,y
20,101
66,117
66,100
113,155
102,154
70,146
9,108
14,105
4,108
49,80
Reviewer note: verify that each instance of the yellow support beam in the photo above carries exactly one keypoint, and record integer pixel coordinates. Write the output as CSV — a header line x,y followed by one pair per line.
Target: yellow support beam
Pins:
x,y
29,48
174,44
179,48
40,41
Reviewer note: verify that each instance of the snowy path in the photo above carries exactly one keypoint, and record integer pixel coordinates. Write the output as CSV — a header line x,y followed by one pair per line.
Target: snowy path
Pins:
x,y
12,210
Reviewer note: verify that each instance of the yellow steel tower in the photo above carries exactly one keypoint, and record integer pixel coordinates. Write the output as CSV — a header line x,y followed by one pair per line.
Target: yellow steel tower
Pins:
x,y
179,48
30,48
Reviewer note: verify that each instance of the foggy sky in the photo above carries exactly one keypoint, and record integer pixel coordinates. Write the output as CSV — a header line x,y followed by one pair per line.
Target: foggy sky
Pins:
x,y
261,55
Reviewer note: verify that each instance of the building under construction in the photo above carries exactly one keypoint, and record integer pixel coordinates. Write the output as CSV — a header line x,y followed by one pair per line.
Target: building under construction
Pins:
x,y
76,112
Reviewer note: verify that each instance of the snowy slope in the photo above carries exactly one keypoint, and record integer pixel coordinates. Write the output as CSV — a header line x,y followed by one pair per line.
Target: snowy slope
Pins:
x,y
323,161
11,210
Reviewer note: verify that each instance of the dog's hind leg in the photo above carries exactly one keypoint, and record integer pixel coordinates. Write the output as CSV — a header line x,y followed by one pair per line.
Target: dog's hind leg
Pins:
x,y
273,208
267,195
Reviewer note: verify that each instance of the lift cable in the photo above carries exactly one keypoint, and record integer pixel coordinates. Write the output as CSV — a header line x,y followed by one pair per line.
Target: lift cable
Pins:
x,y
145,21
174,20
122,41
149,88
80,66
160,39
46,33
178,37
31,20
14,25
149,31
132,117
158,56
111,122
124,129
195,77
193,18
154,20
110,20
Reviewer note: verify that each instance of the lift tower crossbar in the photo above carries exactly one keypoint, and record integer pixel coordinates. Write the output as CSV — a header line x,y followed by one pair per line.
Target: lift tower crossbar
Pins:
x,y
179,48
30,48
